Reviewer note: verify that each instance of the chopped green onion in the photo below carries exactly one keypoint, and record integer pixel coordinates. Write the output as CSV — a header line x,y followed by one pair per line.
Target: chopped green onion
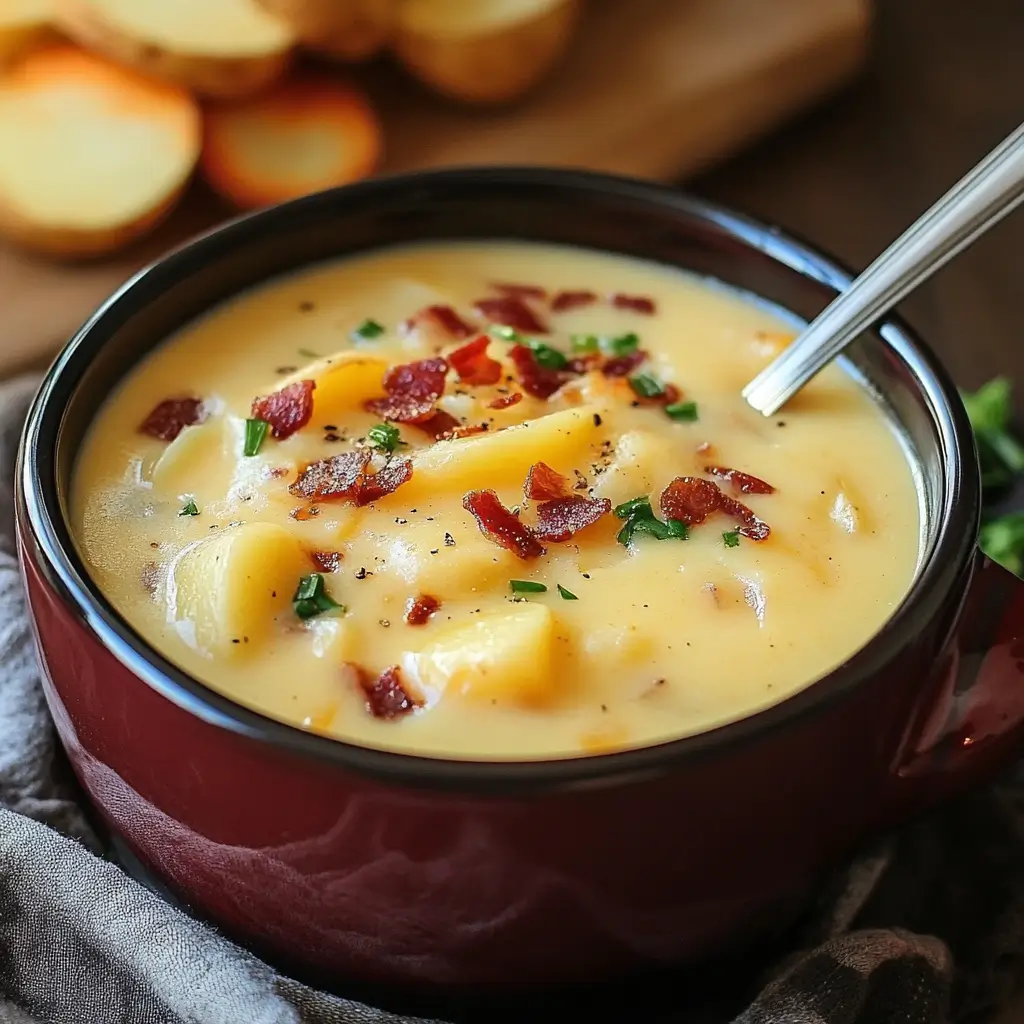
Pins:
x,y
584,342
567,595
368,330
255,435
546,356
731,539
190,509
633,506
621,346
1001,455
646,386
309,353
1002,540
682,412
310,598
505,333
526,587
384,436
677,528
640,518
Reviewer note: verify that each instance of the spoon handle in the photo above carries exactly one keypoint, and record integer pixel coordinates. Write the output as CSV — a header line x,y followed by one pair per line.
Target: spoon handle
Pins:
x,y
978,201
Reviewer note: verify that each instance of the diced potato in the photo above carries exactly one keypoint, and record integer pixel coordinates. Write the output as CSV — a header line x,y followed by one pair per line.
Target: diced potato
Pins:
x,y
334,639
504,656
344,381
502,458
199,453
224,591
642,463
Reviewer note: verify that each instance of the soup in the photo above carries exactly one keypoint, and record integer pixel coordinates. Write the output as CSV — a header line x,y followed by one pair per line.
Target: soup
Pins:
x,y
498,501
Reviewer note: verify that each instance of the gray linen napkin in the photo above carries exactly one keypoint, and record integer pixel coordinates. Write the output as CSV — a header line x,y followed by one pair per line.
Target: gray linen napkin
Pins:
x,y
82,943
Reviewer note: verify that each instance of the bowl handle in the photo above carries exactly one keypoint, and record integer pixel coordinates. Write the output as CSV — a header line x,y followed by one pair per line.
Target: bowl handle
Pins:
x,y
970,724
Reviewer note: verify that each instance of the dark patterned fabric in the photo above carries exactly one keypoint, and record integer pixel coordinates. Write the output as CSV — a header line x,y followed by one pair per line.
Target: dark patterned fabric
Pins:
x,y
928,929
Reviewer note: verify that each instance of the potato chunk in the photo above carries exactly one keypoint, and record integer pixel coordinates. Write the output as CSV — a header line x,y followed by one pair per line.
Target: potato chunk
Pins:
x,y
344,381
225,590
500,656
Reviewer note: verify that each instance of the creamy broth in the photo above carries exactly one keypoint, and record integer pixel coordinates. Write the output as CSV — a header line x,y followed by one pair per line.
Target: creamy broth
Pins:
x,y
647,640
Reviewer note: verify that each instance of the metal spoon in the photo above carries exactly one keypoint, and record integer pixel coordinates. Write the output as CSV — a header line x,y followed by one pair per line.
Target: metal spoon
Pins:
x,y
979,200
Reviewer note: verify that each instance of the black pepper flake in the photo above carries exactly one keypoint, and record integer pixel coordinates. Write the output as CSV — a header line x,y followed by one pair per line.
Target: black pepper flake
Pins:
x,y
581,481
586,575
156,544
286,369
306,306
434,551
604,707
384,622
235,640
449,540
780,423
332,437
330,426
597,419
635,404
361,573
401,521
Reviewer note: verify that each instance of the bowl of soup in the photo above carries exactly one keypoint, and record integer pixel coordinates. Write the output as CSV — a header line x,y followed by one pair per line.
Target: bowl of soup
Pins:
x,y
420,602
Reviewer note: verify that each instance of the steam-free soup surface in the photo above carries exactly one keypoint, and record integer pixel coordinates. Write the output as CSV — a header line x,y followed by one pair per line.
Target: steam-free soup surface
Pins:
x,y
354,576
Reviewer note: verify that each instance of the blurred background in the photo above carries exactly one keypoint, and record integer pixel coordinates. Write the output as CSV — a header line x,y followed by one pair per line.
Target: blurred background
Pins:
x,y
122,134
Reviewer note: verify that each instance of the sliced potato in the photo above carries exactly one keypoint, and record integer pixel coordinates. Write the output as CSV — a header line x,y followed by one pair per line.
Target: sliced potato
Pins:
x,y
483,51
346,29
224,591
23,24
642,463
91,154
504,656
224,48
344,381
200,452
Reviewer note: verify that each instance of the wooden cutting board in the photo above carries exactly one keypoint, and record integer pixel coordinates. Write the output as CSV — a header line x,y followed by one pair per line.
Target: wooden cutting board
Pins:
x,y
654,88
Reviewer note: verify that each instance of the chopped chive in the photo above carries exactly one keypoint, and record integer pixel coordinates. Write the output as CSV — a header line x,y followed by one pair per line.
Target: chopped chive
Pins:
x,y
368,330
640,518
255,435
546,356
621,346
731,539
526,587
189,509
646,386
567,595
655,527
311,599
505,333
682,412
584,342
309,353
677,528
384,436
633,506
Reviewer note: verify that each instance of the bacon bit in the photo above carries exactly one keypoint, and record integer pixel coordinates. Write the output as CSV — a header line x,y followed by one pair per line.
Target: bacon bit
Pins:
x,y
637,303
559,520
386,697
464,430
172,416
437,426
326,561
585,363
669,395
498,524
445,317
692,499
287,410
750,525
521,291
472,363
572,300
345,476
743,482
419,609
536,380
545,484
623,366
276,472
511,311
304,512
504,401
412,389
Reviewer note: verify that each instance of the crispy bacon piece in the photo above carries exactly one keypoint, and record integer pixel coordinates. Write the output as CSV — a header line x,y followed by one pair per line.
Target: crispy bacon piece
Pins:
x,y
559,520
585,363
572,300
669,395
537,380
464,430
511,311
504,401
623,366
287,410
545,484
637,303
750,525
522,291
498,524
419,609
472,363
437,425
304,513
326,561
412,389
444,317
692,499
743,482
386,696
346,476
168,419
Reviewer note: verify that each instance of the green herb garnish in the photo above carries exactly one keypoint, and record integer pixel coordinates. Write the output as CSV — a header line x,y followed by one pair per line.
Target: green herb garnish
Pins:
x,y
311,599
1000,453
368,330
682,412
526,587
505,333
255,435
567,595
384,436
731,539
546,356
640,518
621,346
646,386
1002,539
189,509
584,342
634,506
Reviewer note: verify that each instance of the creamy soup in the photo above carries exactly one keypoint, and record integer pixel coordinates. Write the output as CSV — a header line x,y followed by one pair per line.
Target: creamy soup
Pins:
x,y
493,501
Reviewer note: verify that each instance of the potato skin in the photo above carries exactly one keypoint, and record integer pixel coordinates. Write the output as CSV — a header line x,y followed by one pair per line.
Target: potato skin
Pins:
x,y
217,77
490,68
349,30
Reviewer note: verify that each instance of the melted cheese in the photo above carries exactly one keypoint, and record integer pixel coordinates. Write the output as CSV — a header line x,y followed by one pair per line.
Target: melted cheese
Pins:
x,y
666,638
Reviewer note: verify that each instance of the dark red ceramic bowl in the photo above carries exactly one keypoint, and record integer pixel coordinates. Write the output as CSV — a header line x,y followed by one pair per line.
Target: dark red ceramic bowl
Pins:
x,y
361,864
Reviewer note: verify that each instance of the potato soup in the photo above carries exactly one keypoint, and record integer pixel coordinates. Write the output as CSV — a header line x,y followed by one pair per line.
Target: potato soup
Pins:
x,y
493,501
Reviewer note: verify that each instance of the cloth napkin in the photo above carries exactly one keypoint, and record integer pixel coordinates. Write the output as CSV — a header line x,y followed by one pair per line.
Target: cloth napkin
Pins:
x,y
925,929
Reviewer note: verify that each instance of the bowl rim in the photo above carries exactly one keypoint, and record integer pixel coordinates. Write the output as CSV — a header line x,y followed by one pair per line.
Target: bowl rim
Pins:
x,y
45,534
